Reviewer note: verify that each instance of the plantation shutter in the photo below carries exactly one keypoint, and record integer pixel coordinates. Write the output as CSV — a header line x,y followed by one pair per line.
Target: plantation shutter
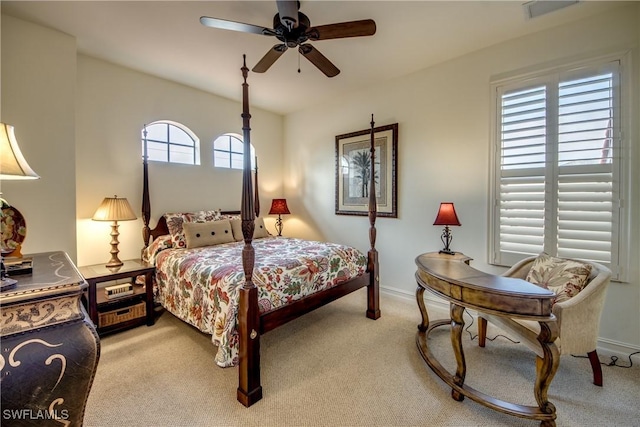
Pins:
x,y
557,159
585,168
522,171
585,210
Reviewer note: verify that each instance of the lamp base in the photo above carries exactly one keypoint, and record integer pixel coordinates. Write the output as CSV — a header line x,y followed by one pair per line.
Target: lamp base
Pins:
x,y
447,251
279,225
114,262
446,240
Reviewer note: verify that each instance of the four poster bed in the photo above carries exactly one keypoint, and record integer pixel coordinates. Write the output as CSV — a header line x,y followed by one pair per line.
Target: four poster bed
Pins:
x,y
237,292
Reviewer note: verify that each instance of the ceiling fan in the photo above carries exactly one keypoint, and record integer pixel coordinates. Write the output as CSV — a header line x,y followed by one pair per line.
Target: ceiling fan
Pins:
x,y
293,28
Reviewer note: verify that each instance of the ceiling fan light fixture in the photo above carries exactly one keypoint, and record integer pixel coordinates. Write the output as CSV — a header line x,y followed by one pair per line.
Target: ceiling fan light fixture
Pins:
x,y
288,22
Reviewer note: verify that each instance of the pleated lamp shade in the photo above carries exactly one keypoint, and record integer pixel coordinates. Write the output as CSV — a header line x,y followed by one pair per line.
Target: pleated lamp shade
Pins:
x,y
114,209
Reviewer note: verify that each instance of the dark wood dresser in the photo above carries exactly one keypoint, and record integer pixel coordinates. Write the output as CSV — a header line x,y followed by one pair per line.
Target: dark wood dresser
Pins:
x,y
50,350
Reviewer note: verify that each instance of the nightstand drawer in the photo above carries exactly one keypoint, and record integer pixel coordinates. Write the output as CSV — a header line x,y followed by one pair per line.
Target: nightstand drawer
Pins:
x,y
121,315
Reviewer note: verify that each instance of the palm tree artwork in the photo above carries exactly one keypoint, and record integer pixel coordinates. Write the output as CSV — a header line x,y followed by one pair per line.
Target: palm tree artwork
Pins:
x,y
361,163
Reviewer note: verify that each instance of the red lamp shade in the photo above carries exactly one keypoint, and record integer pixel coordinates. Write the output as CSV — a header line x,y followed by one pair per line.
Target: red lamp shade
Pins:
x,y
447,215
279,207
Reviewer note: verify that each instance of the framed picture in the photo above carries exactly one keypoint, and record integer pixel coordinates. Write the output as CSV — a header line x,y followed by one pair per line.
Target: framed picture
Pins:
x,y
353,171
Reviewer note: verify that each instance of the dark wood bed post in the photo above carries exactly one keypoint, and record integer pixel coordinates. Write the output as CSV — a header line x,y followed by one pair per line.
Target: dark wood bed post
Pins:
x,y
146,204
373,289
249,388
256,202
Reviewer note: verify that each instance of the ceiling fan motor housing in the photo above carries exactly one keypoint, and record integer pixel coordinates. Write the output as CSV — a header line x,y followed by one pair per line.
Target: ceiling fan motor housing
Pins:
x,y
293,36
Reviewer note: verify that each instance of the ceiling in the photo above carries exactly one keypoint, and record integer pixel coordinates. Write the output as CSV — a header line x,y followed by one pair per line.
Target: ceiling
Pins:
x,y
166,39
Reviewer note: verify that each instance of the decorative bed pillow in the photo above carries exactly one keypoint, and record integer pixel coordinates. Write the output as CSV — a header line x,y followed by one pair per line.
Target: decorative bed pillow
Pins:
x,y
259,229
198,234
229,216
175,221
236,226
158,245
564,277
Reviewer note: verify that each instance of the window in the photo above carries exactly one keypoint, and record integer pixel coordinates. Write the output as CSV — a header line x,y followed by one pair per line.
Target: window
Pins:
x,y
558,169
170,142
228,152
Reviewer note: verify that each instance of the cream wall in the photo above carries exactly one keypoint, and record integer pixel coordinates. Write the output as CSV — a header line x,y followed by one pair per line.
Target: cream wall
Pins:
x,y
444,117
38,99
113,104
78,120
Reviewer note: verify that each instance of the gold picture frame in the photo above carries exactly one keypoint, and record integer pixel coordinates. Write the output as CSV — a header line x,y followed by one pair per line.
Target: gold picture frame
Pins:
x,y
353,162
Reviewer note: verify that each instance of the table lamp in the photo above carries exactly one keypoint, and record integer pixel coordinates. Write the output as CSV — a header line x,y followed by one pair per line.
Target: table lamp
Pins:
x,y
13,166
114,209
446,216
279,207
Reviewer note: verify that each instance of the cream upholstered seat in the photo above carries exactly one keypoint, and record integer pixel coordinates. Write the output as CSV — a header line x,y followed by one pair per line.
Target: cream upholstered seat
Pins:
x,y
578,317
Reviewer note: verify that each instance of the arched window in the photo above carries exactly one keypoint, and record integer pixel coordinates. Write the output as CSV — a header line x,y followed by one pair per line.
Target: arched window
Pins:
x,y
171,142
228,152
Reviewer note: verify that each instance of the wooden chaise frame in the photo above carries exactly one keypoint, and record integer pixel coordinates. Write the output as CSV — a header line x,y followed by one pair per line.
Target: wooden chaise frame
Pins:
x,y
251,323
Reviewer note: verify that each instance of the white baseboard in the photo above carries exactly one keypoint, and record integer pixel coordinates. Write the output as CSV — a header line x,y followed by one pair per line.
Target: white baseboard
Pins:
x,y
397,293
606,347
411,296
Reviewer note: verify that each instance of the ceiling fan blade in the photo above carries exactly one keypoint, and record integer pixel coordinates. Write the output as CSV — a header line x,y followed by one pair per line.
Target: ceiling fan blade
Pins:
x,y
319,60
366,27
267,61
223,24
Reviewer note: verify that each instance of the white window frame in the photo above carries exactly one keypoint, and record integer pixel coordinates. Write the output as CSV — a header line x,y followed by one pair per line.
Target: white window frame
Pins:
x,y
169,145
621,227
230,152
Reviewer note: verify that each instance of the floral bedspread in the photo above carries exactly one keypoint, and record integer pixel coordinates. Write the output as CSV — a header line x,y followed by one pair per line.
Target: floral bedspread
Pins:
x,y
201,285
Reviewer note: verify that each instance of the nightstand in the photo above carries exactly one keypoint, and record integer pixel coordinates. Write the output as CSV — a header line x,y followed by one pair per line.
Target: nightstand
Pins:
x,y
50,349
127,311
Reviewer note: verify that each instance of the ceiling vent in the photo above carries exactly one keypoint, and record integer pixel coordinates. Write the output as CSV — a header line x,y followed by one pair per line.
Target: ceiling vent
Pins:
x,y
536,8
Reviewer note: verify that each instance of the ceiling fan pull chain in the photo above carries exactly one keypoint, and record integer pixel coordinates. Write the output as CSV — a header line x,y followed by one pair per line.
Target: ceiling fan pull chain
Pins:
x,y
298,62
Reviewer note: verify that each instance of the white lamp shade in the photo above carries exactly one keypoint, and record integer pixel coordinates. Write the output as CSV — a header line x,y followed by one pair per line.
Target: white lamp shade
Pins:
x,y
12,163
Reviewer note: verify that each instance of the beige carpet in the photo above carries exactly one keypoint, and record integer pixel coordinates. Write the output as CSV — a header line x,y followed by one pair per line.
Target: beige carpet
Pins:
x,y
335,367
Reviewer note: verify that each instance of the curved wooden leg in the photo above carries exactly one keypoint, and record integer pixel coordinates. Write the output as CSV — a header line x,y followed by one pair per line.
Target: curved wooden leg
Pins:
x,y
546,367
457,324
482,331
424,325
595,366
